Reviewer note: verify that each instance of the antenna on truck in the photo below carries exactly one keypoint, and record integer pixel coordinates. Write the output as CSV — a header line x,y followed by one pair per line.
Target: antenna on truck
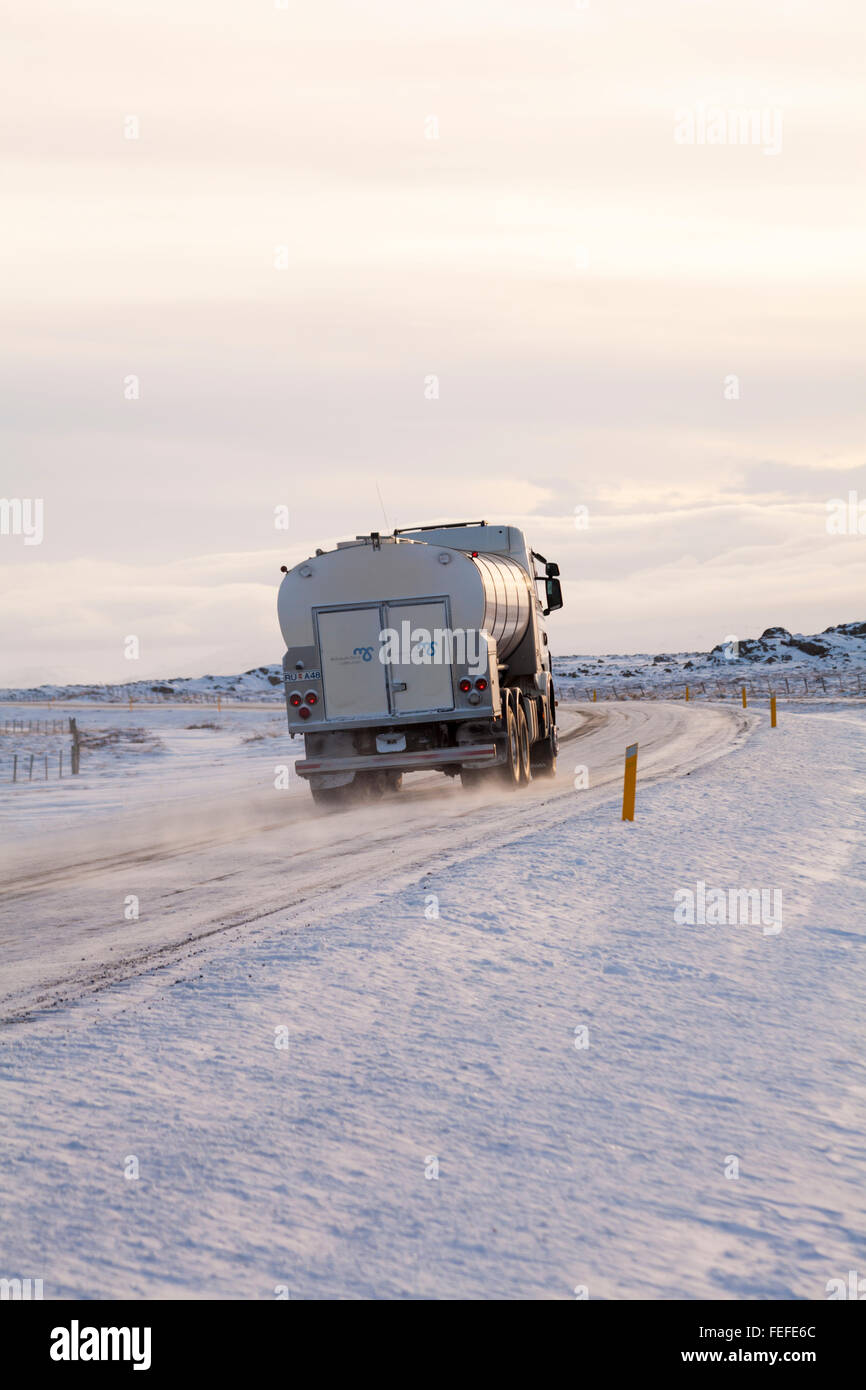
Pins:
x,y
438,526
382,505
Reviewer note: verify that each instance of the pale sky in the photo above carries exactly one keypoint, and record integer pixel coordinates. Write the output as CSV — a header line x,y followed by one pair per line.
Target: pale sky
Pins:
x,y
583,282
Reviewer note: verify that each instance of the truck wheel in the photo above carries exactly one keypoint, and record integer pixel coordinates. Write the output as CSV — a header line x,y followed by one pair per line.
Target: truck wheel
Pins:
x,y
393,781
544,755
523,745
330,798
510,769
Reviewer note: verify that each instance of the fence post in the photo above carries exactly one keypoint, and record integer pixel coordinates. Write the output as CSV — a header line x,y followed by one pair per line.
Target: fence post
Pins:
x,y
76,750
14,767
60,764
629,782
30,778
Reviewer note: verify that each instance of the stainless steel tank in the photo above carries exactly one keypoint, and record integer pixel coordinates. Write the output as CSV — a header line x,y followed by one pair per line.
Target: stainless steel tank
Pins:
x,y
507,601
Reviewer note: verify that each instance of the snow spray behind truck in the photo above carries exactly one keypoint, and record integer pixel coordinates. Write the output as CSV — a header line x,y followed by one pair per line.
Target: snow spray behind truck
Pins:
x,y
423,649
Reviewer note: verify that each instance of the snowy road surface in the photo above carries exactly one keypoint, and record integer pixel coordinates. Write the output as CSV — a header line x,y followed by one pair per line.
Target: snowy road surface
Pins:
x,y
508,1069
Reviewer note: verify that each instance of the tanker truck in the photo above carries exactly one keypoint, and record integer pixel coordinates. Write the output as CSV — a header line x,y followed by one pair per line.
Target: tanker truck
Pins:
x,y
424,649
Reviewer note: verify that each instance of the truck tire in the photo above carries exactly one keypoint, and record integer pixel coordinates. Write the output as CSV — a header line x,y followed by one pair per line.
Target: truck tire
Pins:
x,y
523,745
544,752
331,798
510,769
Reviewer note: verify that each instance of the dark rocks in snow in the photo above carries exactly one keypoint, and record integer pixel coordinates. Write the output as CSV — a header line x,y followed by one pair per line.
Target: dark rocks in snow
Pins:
x,y
810,648
777,644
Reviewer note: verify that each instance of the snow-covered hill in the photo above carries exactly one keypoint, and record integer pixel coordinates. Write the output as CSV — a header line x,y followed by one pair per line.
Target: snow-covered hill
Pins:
x,y
262,682
841,648
793,662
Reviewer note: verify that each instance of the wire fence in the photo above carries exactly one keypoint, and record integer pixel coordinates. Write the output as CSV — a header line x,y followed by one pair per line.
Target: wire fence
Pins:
x,y
57,762
793,686
34,726
29,767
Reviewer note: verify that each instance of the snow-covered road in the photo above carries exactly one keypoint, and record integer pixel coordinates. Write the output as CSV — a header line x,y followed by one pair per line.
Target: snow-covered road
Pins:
x,y
508,1069
206,847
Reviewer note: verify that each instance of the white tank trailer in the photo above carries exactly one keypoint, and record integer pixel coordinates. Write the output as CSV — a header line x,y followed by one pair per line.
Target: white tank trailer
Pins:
x,y
423,649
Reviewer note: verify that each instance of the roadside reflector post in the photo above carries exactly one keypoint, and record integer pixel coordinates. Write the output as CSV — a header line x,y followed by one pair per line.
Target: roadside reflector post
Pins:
x,y
14,767
744,697
130,702
687,692
629,782
219,703
772,711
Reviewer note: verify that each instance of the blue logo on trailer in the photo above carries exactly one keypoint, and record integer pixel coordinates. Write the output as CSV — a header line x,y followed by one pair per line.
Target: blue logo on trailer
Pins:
x,y
365,653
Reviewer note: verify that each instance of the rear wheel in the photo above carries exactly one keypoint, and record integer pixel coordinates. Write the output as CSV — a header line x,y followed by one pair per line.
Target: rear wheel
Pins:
x,y
331,798
544,752
510,769
525,770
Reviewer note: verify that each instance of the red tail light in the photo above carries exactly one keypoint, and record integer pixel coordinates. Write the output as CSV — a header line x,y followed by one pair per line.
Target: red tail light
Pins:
x,y
312,697
481,683
304,712
465,685
295,699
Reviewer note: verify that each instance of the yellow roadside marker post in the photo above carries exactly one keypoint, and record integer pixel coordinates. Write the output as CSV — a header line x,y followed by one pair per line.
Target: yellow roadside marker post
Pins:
x,y
687,694
219,703
595,694
629,782
744,697
772,711
130,702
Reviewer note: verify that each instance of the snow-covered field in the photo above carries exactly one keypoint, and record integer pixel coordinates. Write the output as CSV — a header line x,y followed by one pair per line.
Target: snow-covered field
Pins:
x,y
508,1069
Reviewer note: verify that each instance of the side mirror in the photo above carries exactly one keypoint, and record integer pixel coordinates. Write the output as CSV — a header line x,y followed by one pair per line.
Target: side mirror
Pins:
x,y
551,569
553,589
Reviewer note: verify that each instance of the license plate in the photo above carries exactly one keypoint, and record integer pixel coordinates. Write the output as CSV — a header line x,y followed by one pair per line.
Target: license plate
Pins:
x,y
390,743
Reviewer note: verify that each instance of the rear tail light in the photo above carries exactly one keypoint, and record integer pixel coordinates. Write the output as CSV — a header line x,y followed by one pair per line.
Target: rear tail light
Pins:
x,y
312,697
481,683
304,712
295,699
465,685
